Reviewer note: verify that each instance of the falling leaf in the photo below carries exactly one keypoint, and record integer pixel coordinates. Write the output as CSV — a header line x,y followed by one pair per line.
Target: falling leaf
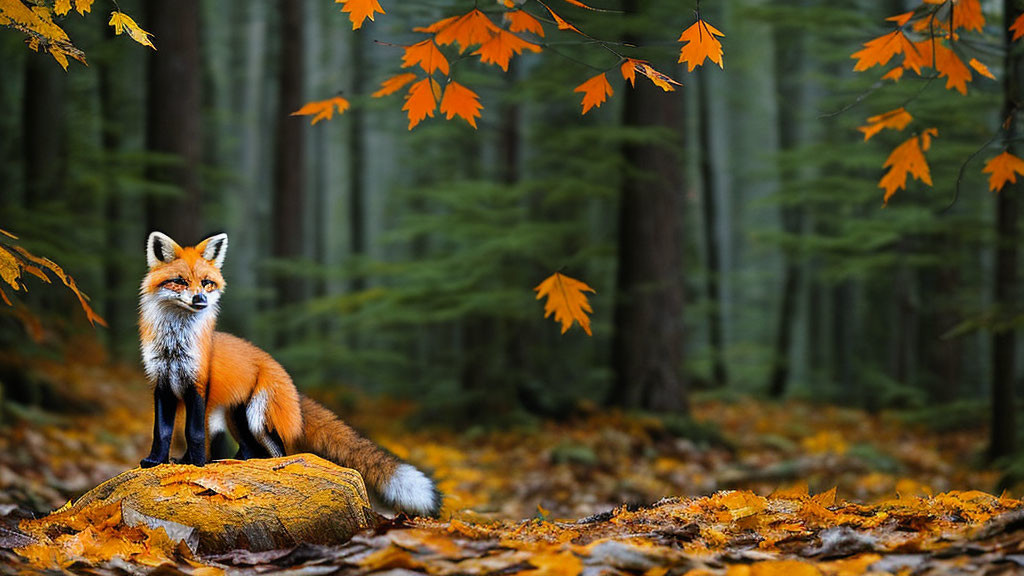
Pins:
x,y
462,102
520,21
360,10
895,119
1017,28
1004,168
980,68
907,158
499,49
701,45
421,101
124,23
566,300
322,109
427,55
472,28
595,91
394,84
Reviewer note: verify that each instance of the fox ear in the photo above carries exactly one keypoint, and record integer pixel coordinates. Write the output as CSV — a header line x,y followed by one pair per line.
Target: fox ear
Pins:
x,y
214,249
160,248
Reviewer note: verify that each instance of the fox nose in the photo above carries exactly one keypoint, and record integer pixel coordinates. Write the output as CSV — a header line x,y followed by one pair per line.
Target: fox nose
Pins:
x,y
199,301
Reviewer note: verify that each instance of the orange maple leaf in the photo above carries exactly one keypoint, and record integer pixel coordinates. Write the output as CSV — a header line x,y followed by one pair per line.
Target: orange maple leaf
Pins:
x,y
394,84
360,10
462,102
566,300
473,27
595,91
1017,28
322,109
520,21
437,26
948,65
700,44
1004,168
895,74
907,158
967,15
879,51
421,100
628,70
499,49
895,119
562,23
427,56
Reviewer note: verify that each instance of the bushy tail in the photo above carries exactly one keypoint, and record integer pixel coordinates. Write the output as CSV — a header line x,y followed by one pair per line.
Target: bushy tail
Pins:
x,y
399,485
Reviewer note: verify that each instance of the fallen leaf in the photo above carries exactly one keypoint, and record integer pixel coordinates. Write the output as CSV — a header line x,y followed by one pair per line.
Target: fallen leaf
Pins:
x,y
566,300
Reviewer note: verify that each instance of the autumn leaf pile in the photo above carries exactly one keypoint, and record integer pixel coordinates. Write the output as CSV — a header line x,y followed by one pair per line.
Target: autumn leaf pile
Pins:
x,y
933,42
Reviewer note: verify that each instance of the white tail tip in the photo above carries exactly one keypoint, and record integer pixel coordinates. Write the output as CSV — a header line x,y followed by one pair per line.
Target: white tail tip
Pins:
x,y
410,491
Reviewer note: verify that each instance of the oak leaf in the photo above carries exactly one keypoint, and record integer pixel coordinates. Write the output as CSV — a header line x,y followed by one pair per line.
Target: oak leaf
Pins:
x,y
462,102
907,158
1003,168
499,49
595,91
124,23
394,84
322,109
566,300
427,55
472,28
895,119
421,100
360,10
520,21
701,45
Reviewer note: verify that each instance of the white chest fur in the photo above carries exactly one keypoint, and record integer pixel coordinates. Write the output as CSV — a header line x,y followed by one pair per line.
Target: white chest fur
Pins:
x,y
172,355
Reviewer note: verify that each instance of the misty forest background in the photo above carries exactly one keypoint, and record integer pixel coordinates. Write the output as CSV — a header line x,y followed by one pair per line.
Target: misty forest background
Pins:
x,y
733,230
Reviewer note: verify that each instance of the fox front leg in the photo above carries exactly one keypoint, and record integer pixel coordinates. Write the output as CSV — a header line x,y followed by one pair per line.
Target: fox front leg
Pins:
x,y
165,405
195,428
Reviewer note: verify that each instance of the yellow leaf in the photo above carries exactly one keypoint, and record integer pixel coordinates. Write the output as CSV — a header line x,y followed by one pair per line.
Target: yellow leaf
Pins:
x,y
1003,168
595,92
394,84
10,269
462,102
701,45
896,119
322,109
660,80
62,7
980,68
124,23
566,300
83,6
554,564
360,10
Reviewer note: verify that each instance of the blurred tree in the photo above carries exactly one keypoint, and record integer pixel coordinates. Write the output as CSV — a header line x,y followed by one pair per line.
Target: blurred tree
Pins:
x,y
174,120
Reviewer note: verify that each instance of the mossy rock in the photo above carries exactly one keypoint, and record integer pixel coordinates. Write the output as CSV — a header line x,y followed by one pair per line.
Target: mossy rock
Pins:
x,y
227,505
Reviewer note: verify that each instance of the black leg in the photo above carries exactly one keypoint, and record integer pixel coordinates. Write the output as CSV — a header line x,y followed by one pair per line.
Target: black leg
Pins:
x,y
195,428
248,445
220,446
165,405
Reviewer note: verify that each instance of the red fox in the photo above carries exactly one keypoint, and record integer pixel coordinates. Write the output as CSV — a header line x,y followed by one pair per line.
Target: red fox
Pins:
x,y
225,381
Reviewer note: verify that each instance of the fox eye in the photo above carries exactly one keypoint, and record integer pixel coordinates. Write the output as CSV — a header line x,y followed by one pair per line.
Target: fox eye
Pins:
x,y
179,281
209,284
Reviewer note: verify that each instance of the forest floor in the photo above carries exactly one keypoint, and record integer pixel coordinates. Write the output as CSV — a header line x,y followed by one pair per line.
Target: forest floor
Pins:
x,y
746,487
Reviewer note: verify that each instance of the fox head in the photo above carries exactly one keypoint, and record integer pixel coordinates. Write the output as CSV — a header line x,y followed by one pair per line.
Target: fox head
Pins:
x,y
184,279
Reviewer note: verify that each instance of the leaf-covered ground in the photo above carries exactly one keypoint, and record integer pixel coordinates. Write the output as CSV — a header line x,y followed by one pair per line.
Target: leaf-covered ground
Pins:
x,y
747,487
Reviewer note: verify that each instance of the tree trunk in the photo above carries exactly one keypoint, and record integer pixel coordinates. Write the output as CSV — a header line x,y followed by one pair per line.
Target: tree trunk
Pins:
x,y
789,64
288,166
709,203
44,144
1004,342
174,116
647,346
